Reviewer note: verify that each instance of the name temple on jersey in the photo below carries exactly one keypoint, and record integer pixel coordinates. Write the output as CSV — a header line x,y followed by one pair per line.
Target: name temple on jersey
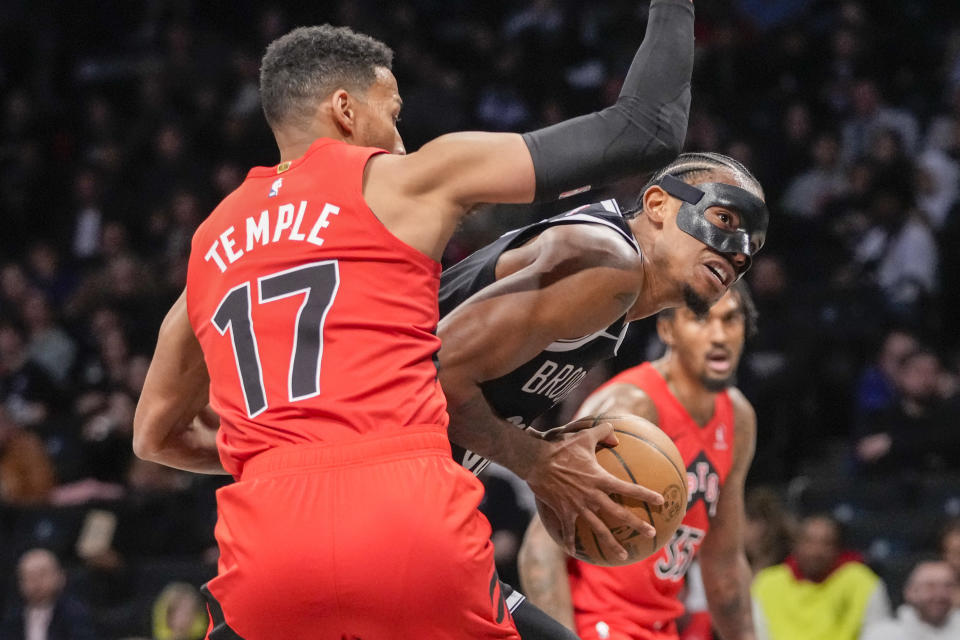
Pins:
x,y
286,222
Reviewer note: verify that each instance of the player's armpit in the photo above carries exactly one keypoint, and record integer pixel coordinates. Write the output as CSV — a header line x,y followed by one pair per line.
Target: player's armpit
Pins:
x,y
543,574
173,424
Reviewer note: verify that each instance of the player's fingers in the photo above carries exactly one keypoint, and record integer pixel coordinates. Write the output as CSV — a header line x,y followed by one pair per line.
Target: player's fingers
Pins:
x,y
606,541
616,514
630,490
604,434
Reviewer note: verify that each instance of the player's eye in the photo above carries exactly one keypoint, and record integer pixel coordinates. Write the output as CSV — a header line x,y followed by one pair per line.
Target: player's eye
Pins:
x,y
724,219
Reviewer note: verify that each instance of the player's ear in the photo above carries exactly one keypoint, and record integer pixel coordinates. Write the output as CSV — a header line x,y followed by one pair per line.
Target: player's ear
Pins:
x,y
344,110
655,201
665,329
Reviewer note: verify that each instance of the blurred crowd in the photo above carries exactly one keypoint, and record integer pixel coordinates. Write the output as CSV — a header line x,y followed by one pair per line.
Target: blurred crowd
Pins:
x,y
122,124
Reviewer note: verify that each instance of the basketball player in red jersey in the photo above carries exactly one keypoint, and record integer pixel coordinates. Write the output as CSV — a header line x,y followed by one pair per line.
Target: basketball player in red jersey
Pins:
x,y
309,319
688,394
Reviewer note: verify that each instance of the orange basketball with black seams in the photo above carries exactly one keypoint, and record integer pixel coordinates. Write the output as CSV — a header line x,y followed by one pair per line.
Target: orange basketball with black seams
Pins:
x,y
646,456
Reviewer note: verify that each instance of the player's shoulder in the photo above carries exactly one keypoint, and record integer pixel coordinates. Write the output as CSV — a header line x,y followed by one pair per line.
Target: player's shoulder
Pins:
x,y
594,244
742,408
623,397
745,424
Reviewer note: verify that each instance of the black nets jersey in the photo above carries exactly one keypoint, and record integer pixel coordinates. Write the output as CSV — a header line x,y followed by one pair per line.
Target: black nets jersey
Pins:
x,y
533,388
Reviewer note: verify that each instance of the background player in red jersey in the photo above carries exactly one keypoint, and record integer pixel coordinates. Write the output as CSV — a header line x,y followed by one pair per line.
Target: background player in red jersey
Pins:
x,y
329,258
689,394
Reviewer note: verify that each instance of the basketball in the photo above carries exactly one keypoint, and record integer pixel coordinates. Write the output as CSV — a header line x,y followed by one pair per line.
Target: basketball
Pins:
x,y
646,456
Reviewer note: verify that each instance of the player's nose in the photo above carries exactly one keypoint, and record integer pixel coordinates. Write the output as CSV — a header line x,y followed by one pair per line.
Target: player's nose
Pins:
x,y
739,260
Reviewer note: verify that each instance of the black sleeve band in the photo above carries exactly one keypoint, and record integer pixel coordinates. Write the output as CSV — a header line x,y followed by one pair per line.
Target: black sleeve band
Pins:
x,y
533,624
643,130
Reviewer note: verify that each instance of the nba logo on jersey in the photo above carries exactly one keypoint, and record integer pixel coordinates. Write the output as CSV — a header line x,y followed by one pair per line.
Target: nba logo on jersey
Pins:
x,y
275,187
721,441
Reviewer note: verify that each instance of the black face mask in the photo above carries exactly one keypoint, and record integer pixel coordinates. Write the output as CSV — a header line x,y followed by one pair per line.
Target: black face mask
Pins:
x,y
747,239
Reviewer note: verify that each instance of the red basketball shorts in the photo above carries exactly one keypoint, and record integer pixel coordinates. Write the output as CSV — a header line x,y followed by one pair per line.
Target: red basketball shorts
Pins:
x,y
379,539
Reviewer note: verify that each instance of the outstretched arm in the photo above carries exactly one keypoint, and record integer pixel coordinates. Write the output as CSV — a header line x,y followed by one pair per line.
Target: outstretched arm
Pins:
x,y
723,561
173,424
644,129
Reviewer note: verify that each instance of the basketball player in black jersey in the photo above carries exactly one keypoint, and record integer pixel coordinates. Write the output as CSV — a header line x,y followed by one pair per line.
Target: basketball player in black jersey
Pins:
x,y
525,317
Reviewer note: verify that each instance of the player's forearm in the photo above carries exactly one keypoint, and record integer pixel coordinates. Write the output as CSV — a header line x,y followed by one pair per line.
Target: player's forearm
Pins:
x,y
644,129
543,574
727,584
190,447
474,426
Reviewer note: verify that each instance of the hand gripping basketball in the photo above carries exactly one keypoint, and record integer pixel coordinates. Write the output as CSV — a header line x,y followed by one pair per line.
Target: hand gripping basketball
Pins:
x,y
645,455
569,481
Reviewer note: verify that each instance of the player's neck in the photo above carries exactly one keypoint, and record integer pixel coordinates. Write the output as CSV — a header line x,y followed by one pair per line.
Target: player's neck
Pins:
x,y
689,392
655,292
293,142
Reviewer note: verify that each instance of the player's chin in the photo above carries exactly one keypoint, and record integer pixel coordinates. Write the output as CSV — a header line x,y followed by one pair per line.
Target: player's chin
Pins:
x,y
699,298
717,383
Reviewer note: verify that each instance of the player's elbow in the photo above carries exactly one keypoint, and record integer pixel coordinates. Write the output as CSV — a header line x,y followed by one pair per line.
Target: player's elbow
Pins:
x,y
669,141
660,128
146,443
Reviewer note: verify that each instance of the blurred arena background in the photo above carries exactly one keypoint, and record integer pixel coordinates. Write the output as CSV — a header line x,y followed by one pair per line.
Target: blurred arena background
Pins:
x,y
123,123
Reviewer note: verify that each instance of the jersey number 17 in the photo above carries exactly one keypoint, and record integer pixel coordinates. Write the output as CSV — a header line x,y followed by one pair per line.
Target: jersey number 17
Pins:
x,y
318,283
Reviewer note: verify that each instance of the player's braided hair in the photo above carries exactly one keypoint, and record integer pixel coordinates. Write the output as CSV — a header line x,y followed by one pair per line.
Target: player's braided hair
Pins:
x,y
692,166
309,63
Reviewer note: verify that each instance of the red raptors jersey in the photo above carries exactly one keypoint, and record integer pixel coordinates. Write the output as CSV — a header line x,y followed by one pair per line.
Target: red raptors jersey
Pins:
x,y
316,323
641,600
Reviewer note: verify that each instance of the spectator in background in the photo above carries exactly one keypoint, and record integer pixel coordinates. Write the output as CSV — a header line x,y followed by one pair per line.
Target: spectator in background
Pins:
x,y
766,538
88,217
50,346
808,192
179,613
48,272
916,433
898,251
950,552
26,472
821,591
936,179
26,391
876,388
942,131
928,612
870,116
14,287
46,612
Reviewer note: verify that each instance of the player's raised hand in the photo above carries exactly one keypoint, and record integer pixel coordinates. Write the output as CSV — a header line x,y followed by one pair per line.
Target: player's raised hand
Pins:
x,y
570,481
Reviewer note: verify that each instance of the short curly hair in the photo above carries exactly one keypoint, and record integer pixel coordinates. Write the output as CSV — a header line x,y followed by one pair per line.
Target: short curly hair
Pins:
x,y
309,63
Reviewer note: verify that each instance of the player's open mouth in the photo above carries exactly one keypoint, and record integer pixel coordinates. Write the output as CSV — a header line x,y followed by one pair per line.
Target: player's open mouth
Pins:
x,y
719,362
721,272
